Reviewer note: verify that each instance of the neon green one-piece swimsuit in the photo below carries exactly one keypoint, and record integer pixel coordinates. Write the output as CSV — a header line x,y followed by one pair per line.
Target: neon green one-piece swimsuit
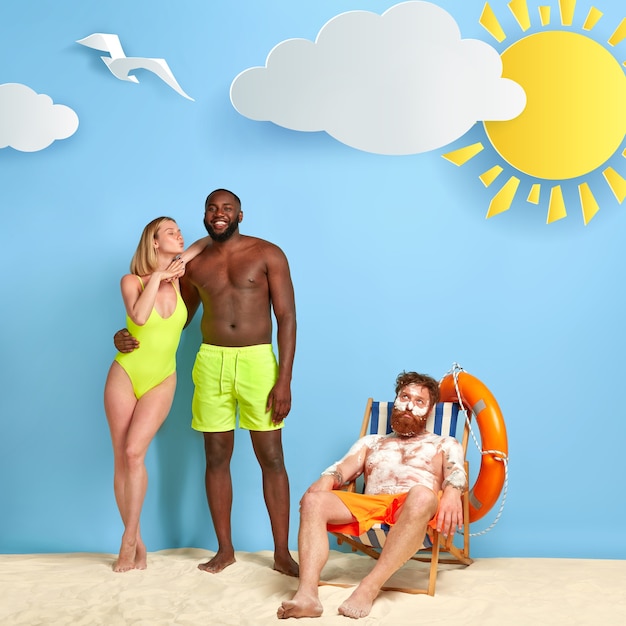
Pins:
x,y
155,359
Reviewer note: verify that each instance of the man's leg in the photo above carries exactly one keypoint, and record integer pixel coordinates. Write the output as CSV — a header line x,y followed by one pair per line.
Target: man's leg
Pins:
x,y
218,449
269,452
317,509
403,540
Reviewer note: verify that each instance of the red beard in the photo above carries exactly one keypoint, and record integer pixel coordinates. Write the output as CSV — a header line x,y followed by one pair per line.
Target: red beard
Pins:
x,y
405,425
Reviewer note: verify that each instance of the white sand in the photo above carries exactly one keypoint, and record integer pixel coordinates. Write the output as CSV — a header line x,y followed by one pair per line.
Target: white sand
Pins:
x,y
82,589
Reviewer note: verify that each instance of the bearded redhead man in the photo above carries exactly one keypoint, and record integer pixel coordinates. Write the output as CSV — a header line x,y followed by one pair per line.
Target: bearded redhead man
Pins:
x,y
411,477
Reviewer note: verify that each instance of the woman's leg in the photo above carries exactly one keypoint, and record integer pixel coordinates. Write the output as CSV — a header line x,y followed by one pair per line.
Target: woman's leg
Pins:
x,y
131,440
119,405
149,414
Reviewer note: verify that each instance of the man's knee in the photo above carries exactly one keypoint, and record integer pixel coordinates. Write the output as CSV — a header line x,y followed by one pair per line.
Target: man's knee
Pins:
x,y
420,502
218,448
268,449
273,465
312,504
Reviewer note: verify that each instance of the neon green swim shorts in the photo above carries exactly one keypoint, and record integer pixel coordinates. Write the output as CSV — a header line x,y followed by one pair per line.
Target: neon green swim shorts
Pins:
x,y
227,379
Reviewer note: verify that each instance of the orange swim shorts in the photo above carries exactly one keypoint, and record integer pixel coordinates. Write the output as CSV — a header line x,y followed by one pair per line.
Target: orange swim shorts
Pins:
x,y
368,510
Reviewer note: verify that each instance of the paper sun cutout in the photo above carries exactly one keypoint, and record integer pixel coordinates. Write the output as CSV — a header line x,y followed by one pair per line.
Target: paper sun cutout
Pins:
x,y
575,119
29,121
121,65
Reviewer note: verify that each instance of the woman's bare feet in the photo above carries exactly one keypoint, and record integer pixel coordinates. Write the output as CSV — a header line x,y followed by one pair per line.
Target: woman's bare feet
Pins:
x,y
359,604
300,606
285,564
218,563
126,558
141,555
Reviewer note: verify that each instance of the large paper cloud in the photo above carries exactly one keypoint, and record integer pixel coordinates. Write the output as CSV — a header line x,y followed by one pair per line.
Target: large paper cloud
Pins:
x,y
30,121
402,82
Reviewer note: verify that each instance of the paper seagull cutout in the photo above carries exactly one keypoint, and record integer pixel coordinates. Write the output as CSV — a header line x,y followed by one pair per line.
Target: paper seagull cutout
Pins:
x,y
121,65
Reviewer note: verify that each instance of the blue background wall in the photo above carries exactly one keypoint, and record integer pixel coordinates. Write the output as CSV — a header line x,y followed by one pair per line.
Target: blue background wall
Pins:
x,y
394,265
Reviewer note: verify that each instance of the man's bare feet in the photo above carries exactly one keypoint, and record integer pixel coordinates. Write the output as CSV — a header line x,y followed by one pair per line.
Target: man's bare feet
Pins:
x,y
359,604
218,563
285,564
126,558
300,606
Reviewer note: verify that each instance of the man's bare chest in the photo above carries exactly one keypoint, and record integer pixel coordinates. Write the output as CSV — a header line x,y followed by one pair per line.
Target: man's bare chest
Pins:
x,y
399,452
218,275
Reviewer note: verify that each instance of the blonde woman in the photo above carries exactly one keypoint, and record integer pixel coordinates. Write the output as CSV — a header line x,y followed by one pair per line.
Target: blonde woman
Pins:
x,y
140,385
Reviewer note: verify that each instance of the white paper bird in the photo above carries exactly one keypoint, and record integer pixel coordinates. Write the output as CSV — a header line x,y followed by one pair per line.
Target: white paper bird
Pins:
x,y
121,65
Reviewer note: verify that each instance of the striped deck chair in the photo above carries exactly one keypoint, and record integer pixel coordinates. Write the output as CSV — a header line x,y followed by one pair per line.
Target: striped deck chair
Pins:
x,y
443,420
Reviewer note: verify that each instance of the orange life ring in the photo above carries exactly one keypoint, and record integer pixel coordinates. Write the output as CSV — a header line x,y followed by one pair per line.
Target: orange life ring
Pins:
x,y
476,397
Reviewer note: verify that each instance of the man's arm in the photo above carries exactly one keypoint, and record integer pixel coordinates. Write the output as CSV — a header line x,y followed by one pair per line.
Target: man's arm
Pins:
x,y
283,302
195,249
450,512
190,294
349,468
124,341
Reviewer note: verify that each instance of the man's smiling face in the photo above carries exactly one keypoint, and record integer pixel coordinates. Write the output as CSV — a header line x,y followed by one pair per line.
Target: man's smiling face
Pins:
x,y
222,215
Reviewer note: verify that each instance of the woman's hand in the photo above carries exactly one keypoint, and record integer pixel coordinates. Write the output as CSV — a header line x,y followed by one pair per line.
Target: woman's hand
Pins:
x,y
174,270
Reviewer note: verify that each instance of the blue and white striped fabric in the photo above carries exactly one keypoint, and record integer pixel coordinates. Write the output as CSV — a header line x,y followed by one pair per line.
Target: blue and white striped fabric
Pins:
x,y
441,421
377,534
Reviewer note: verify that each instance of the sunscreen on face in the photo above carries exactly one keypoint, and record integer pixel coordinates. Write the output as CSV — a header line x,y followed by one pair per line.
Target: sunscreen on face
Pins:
x,y
418,411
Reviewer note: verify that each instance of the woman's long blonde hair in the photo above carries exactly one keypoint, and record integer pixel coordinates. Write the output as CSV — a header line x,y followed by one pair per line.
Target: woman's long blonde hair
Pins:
x,y
145,259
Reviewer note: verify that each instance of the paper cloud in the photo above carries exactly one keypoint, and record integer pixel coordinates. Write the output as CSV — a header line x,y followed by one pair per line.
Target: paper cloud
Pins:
x,y
403,82
30,121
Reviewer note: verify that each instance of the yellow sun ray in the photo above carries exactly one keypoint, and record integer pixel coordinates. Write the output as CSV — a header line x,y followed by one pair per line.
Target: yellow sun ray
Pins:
x,y
596,121
567,7
592,18
504,198
534,194
616,183
588,203
544,15
490,23
463,155
519,8
619,35
486,178
556,206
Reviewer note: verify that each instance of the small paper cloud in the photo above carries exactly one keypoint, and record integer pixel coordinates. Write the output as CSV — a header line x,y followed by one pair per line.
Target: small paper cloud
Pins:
x,y
403,82
30,121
